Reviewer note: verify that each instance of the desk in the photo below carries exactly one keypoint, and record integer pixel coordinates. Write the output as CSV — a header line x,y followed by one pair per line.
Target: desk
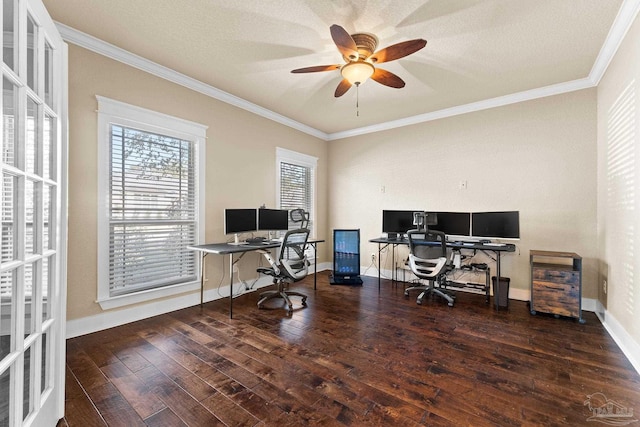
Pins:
x,y
384,242
231,250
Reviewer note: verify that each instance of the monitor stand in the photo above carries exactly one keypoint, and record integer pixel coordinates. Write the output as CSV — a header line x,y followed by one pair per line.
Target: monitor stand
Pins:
x,y
236,240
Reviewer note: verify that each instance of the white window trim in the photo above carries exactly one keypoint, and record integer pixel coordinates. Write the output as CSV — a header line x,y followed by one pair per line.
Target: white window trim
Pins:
x,y
294,157
111,111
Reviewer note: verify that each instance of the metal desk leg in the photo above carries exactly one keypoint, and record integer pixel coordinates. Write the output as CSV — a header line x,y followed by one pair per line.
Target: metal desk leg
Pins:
x,y
393,265
315,265
204,254
379,252
496,294
230,286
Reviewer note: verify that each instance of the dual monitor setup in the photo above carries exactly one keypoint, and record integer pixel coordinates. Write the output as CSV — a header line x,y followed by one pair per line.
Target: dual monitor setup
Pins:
x,y
249,220
478,225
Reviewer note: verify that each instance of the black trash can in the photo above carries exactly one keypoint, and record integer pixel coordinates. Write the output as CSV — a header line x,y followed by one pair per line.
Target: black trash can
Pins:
x,y
504,291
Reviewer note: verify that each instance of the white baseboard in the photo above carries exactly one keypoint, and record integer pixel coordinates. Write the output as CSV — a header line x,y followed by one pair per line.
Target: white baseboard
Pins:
x,y
324,266
112,318
629,346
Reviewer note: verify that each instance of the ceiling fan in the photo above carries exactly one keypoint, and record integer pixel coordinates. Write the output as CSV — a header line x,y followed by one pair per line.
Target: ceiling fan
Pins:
x,y
358,52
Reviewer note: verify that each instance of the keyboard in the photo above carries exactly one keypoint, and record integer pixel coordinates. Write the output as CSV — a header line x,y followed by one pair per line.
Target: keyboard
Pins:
x,y
256,240
495,244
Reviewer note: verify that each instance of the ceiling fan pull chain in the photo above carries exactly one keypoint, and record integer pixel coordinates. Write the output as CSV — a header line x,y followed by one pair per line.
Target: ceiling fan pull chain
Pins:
x,y
357,99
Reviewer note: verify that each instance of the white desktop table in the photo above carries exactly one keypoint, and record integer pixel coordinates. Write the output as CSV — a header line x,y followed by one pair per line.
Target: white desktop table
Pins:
x,y
231,250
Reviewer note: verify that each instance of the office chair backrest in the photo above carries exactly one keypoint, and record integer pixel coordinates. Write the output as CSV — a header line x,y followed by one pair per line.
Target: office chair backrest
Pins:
x,y
292,253
424,244
300,216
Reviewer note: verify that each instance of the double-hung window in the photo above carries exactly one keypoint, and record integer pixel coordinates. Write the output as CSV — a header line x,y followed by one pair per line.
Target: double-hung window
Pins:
x,y
151,188
295,186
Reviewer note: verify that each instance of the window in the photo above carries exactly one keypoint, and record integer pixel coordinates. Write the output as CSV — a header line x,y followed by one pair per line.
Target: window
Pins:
x,y
151,184
295,186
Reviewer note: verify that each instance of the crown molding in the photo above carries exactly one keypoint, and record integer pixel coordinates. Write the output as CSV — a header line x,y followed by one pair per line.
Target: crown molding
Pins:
x,y
626,15
71,35
625,18
469,108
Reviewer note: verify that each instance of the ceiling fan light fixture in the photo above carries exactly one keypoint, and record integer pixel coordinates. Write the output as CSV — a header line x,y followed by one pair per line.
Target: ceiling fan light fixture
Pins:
x,y
357,72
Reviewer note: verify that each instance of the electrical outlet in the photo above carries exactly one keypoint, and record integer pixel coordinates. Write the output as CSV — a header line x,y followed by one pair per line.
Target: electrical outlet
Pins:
x,y
604,286
373,257
235,268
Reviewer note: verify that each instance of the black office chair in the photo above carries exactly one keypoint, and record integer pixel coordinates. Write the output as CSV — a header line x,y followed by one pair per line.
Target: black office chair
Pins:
x,y
291,266
428,260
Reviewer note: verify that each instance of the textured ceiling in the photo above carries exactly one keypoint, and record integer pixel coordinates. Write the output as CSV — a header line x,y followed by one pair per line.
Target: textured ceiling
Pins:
x,y
476,50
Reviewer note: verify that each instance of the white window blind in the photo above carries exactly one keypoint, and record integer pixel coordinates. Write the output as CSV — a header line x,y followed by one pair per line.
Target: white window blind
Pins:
x,y
296,183
153,215
295,188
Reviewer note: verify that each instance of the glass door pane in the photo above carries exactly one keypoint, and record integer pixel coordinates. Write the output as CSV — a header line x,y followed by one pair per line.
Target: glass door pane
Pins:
x,y
9,217
32,53
32,151
5,397
48,147
7,290
9,51
9,109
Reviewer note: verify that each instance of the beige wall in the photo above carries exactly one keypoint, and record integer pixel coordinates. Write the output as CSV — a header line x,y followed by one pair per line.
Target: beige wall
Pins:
x,y
240,169
537,157
619,187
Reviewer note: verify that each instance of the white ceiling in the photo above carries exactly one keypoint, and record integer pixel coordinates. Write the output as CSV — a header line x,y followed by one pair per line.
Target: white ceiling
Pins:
x,y
476,50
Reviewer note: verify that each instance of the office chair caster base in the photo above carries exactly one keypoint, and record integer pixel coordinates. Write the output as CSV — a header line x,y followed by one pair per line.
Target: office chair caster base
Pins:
x,y
288,305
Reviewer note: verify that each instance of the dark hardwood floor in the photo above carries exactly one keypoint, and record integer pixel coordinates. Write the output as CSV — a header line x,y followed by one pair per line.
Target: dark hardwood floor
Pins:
x,y
352,357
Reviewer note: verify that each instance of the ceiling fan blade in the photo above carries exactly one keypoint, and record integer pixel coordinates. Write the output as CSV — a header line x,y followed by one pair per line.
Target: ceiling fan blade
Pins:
x,y
387,78
316,69
342,88
344,42
397,51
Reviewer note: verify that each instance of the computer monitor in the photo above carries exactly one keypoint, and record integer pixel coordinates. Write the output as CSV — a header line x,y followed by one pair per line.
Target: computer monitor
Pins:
x,y
397,222
240,221
453,223
273,219
505,225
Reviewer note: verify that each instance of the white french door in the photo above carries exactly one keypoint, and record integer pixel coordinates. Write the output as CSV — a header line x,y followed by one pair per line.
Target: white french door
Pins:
x,y
33,213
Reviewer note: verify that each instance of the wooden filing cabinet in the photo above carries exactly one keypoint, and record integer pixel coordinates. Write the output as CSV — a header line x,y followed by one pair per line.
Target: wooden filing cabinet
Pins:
x,y
556,283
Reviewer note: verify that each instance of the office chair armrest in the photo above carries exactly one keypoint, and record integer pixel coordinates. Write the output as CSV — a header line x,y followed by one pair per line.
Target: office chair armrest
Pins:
x,y
272,262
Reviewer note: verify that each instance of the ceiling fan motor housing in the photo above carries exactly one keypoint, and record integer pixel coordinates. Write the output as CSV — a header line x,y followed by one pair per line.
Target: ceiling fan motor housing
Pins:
x,y
366,44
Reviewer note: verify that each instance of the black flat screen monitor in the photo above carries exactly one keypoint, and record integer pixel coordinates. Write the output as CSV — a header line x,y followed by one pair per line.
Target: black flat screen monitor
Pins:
x,y
273,219
504,225
240,220
453,223
397,221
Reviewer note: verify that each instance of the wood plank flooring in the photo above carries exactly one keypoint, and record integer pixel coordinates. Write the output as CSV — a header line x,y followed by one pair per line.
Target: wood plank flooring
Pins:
x,y
353,357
